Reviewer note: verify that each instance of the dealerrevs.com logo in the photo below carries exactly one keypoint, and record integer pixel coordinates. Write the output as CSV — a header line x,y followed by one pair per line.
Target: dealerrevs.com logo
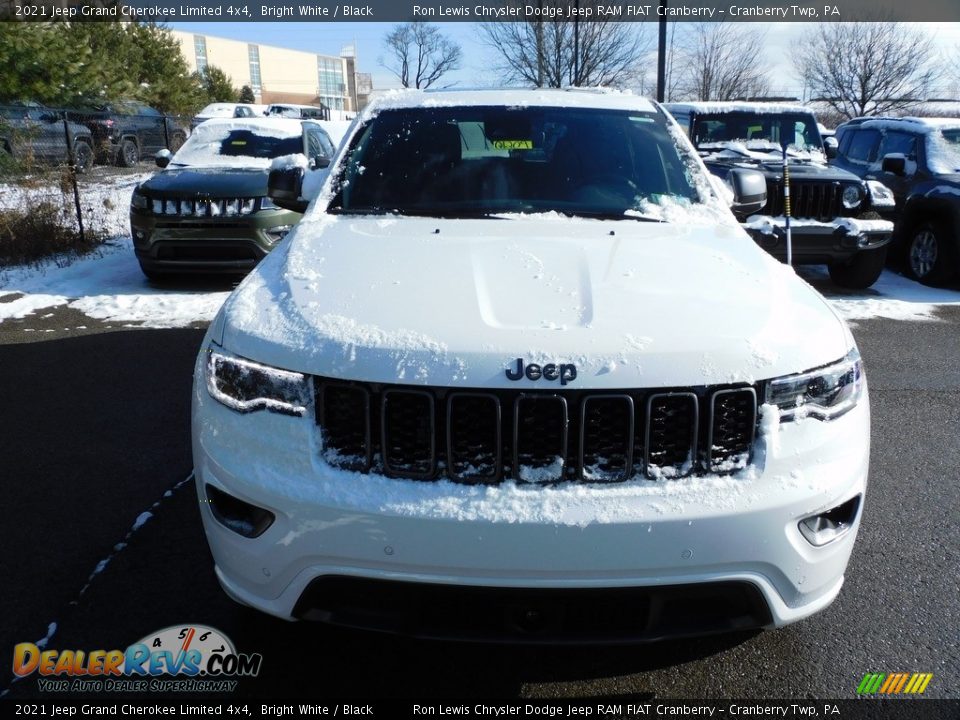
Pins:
x,y
180,658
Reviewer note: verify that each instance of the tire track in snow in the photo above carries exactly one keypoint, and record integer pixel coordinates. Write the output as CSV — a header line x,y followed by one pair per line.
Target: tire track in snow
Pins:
x,y
141,520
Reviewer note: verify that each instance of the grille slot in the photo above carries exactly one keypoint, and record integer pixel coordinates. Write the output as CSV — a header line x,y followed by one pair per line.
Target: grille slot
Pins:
x,y
345,418
483,436
671,433
203,207
606,438
474,447
540,426
812,200
408,434
733,423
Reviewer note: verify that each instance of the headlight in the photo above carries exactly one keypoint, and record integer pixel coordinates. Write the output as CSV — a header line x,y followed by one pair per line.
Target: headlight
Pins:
x,y
825,394
852,197
880,194
246,386
138,200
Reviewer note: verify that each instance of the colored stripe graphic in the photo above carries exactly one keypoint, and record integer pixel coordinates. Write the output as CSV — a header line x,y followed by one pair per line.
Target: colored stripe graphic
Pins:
x,y
894,683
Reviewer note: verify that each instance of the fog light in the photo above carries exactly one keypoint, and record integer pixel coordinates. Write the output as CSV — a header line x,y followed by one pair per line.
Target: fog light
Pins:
x,y
235,514
827,527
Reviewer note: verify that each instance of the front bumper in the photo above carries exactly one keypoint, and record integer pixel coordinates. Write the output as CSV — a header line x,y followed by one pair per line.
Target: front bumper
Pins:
x,y
184,244
817,242
698,533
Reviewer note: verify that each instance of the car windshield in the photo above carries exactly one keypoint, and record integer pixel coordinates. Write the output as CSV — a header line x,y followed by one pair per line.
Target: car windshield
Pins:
x,y
481,161
762,132
943,151
233,145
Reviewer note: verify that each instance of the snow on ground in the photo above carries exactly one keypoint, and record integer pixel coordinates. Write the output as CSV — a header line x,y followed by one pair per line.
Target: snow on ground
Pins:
x,y
106,285
892,296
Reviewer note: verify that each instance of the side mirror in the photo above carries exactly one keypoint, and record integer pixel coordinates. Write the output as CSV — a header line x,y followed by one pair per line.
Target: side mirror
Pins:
x,y
830,146
749,191
894,163
285,188
162,158
318,162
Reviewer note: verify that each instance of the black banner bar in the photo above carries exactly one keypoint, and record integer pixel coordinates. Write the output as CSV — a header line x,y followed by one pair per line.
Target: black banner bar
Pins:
x,y
618,708
480,11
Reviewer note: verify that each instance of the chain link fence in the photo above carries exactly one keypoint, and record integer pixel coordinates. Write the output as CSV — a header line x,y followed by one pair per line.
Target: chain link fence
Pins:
x,y
66,174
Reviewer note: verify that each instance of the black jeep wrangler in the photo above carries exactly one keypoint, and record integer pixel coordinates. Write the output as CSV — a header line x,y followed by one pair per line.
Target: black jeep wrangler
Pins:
x,y
833,218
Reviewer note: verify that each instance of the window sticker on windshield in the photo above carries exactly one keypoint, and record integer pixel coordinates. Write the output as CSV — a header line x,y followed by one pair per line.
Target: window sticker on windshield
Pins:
x,y
238,142
641,118
513,144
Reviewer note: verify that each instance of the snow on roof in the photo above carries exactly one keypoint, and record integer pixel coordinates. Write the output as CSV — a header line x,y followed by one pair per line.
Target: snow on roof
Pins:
x,y
273,126
916,124
512,97
707,108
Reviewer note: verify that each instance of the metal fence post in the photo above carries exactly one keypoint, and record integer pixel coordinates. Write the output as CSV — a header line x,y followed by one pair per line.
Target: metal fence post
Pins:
x,y
72,158
166,132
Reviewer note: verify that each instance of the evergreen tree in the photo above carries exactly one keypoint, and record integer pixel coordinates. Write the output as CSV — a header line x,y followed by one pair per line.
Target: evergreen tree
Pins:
x,y
217,86
246,95
84,63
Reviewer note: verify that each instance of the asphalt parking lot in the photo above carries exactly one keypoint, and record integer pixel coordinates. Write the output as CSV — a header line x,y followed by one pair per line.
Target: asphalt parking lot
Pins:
x,y
95,431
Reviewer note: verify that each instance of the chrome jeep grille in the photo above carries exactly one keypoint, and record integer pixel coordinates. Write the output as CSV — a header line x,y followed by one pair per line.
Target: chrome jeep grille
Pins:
x,y
484,436
204,207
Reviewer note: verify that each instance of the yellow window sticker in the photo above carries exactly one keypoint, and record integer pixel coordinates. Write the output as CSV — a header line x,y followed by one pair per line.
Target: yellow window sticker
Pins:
x,y
513,144
238,142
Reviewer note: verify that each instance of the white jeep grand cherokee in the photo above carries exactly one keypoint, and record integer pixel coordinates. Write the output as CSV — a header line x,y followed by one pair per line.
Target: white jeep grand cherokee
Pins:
x,y
519,374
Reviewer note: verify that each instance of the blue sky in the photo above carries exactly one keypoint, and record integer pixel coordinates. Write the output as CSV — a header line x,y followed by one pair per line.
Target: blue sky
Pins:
x,y
327,38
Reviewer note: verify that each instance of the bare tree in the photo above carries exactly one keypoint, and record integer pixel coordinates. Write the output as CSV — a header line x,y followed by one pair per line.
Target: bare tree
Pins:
x,y
720,61
557,52
866,68
419,54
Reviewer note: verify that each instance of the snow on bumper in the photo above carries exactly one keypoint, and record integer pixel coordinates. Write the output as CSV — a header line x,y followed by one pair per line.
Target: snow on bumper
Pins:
x,y
842,234
640,533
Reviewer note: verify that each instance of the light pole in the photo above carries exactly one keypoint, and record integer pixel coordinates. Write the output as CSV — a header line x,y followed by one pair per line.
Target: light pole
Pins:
x,y
662,53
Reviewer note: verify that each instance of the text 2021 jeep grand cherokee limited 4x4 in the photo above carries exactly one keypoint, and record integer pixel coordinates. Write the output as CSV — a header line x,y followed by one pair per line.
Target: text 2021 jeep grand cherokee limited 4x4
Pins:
x,y
833,218
519,373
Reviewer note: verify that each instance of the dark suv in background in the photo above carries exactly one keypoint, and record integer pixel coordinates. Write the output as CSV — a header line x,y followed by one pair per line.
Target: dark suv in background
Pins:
x,y
125,132
32,133
833,218
919,160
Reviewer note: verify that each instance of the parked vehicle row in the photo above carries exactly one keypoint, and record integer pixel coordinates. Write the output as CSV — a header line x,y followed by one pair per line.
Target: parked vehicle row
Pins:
x,y
114,134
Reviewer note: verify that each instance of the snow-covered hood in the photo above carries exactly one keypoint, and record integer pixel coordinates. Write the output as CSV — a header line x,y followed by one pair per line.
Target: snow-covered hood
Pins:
x,y
456,302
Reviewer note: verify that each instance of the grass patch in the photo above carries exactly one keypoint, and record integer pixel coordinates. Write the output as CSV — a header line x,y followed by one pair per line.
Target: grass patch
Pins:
x,y
43,228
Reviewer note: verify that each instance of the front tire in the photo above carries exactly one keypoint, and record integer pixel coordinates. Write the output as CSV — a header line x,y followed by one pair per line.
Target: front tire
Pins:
x,y
129,154
929,253
82,155
861,271
151,275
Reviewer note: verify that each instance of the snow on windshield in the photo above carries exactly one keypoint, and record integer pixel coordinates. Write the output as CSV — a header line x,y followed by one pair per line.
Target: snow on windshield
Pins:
x,y
239,144
943,151
761,136
482,160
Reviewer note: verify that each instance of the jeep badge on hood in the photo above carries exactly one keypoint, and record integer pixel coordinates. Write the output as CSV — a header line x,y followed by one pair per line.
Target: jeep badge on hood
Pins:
x,y
565,372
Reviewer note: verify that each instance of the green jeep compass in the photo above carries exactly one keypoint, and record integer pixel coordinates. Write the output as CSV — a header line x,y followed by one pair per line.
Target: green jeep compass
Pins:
x,y
208,210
